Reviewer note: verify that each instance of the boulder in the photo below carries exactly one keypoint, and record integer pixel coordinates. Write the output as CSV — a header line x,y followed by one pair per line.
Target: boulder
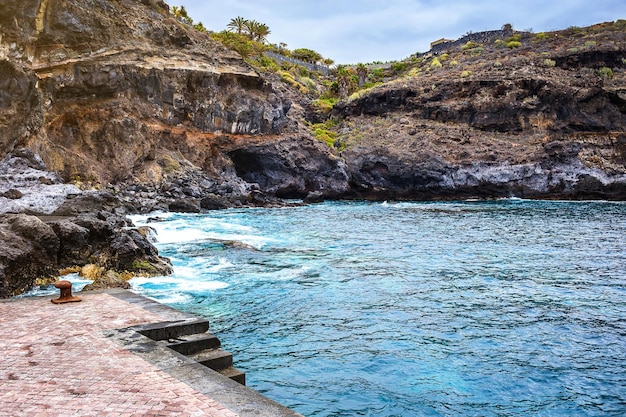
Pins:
x,y
214,202
185,205
108,280
28,250
314,197
75,246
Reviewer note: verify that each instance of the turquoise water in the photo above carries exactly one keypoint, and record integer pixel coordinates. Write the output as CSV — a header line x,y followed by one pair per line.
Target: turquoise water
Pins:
x,y
507,308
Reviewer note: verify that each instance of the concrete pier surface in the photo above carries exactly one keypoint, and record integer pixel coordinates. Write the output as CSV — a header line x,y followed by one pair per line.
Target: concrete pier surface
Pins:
x,y
89,358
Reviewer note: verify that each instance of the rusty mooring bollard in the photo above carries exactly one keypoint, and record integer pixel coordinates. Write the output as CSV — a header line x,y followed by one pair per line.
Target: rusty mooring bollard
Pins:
x,y
66,293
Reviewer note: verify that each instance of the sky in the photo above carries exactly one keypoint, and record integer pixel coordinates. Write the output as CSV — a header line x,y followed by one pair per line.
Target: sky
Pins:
x,y
353,31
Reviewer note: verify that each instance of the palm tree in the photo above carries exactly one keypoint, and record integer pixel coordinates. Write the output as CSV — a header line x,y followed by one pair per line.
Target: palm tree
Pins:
x,y
237,24
343,81
256,31
361,72
261,32
248,28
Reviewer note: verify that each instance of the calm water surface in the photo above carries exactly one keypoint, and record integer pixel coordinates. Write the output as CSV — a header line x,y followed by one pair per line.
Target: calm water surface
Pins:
x,y
508,308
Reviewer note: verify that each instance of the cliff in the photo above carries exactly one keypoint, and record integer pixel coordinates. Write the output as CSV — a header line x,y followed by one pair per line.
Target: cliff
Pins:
x,y
115,92
542,119
122,95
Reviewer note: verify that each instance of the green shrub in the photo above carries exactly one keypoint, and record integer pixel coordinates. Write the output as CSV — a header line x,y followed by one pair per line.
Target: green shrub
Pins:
x,y
499,43
470,45
477,51
513,44
376,74
466,74
605,72
435,63
541,36
358,94
322,131
308,83
414,72
590,44
369,85
286,66
325,105
575,31
288,78
398,67
303,71
444,57
549,62
268,63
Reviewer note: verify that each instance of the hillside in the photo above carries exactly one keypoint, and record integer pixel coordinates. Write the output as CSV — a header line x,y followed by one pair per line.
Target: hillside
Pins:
x,y
116,106
495,114
123,95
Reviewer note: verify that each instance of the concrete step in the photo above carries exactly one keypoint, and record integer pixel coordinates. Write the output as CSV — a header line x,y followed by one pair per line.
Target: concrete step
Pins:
x,y
234,374
216,359
194,343
173,329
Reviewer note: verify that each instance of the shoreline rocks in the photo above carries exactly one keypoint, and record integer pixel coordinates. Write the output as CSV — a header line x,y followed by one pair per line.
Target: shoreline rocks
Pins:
x,y
61,226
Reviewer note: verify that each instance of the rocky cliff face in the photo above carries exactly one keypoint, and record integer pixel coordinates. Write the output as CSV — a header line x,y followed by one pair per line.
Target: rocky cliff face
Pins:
x,y
544,121
120,91
120,94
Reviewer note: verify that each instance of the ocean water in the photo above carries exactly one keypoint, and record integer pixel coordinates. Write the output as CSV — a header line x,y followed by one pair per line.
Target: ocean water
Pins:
x,y
504,308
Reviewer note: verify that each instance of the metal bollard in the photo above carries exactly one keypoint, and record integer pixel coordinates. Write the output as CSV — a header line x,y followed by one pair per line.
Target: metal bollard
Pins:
x,y
66,293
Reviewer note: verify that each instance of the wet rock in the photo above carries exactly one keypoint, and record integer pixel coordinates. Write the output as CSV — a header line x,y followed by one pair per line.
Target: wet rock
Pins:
x,y
87,202
113,245
108,280
28,250
214,202
314,197
185,205
32,248
75,247
149,233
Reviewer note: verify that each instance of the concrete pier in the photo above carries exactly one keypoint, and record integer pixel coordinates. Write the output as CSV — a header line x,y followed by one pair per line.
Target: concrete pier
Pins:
x,y
93,359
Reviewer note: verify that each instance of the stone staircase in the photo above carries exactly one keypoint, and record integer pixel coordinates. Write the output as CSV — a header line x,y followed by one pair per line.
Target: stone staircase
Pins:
x,y
192,339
